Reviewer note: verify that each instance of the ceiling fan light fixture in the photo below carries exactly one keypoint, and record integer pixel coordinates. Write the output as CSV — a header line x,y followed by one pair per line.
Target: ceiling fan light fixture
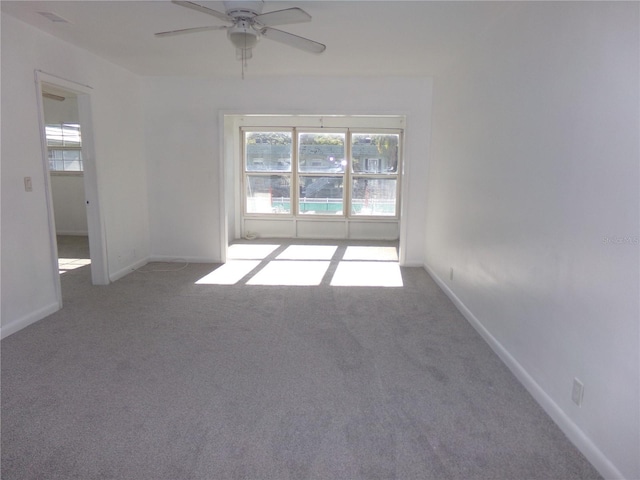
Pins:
x,y
244,54
242,36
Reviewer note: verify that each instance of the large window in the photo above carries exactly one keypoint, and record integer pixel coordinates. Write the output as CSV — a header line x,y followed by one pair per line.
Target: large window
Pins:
x,y
267,168
301,172
374,182
64,144
321,167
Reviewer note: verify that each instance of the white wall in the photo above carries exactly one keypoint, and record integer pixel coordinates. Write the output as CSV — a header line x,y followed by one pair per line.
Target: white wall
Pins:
x,y
28,292
69,204
533,201
61,111
184,146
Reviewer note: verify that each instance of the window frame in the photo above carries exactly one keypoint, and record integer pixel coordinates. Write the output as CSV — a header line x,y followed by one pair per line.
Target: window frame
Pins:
x,y
397,175
347,175
245,174
65,148
320,174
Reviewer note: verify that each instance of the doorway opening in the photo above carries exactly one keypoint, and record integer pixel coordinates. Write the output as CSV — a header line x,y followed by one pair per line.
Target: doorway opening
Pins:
x,y
76,231
63,136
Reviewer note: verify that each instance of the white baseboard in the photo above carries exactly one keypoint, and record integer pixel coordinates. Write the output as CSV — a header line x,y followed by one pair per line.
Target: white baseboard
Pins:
x,y
73,233
127,270
582,442
157,258
27,320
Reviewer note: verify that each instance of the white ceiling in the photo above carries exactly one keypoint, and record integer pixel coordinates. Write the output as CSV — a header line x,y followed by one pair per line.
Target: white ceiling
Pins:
x,y
362,37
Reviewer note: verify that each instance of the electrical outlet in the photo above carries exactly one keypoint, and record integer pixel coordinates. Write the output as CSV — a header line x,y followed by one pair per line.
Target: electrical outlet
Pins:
x,y
577,392
28,186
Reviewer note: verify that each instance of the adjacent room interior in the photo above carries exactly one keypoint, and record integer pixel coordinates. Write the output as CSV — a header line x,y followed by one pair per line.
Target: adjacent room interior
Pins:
x,y
385,240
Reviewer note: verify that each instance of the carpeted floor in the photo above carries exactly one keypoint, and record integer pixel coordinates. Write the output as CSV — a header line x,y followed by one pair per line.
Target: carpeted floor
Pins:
x,y
169,374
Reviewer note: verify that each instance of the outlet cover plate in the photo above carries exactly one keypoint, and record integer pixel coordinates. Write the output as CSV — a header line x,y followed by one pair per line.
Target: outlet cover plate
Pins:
x,y
577,392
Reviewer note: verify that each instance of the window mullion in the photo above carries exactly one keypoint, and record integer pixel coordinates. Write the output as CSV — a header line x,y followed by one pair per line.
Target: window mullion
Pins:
x,y
295,189
347,176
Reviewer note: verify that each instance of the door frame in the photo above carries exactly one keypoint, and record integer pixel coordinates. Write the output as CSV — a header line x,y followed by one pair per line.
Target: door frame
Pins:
x,y
95,223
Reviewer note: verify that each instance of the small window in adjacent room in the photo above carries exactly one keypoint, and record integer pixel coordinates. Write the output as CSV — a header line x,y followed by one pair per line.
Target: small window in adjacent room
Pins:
x,y
64,144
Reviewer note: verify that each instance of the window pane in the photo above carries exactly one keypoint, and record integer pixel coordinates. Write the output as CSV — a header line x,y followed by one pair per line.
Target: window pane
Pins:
x,y
268,151
56,154
71,135
374,153
65,134
321,195
56,165
55,160
54,135
373,196
268,194
62,160
72,160
321,152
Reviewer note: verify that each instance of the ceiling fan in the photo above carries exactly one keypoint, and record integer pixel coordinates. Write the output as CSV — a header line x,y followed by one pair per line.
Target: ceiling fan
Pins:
x,y
247,24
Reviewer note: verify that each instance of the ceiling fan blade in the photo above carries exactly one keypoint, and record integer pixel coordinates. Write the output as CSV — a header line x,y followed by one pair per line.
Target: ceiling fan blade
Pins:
x,y
283,17
200,8
188,30
293,40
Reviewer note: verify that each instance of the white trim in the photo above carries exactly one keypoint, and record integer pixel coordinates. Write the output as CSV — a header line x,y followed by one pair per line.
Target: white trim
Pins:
x,y
73,233
64,83
95,223
222,193
403,214
123,272
53,244
95,217
27,320
597,458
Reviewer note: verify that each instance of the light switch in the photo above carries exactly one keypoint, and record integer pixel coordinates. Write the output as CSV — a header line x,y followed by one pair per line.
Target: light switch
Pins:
x,y
28,187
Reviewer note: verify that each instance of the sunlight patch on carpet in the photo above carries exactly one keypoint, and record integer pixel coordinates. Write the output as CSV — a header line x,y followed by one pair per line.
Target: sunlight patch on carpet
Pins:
x,y
245,251
371,253
66,264
291,273
308,252
230,273
367,274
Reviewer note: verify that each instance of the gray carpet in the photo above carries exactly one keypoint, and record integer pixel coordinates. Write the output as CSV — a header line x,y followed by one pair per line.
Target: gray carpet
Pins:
x,y
73,246
157,377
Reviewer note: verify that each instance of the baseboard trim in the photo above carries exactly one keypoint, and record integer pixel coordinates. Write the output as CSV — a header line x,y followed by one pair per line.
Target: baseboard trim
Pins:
x,y
29,319
127,270
73,233
157,258
582,442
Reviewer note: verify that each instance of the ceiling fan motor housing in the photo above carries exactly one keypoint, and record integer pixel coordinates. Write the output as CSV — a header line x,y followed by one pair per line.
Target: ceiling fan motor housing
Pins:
x,y
237,8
